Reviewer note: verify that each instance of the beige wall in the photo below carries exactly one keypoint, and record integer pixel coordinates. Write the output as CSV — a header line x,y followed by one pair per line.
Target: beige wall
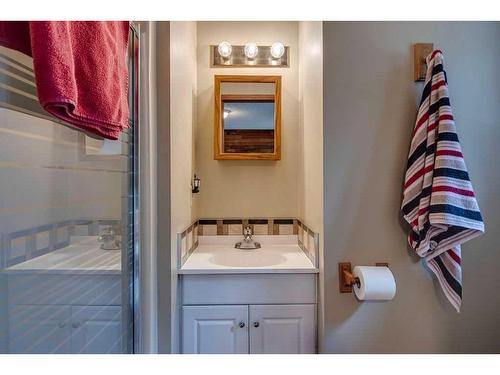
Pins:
x,y
311,124
310,187
182,121
370,104
247,188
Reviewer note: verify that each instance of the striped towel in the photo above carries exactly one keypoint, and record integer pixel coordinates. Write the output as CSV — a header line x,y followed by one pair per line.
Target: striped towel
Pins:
x,y
438,200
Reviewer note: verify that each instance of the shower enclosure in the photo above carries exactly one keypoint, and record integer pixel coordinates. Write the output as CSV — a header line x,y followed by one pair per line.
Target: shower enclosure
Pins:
x,y
68,224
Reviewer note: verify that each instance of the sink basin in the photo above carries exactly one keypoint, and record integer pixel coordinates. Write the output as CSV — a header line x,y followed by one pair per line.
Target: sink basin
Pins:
x,y
256,258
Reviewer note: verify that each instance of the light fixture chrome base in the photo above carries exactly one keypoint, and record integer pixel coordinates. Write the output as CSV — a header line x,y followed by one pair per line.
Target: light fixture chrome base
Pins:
x,y
238,58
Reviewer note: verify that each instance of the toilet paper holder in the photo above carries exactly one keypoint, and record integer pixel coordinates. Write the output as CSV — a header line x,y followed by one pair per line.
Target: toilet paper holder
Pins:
x,y
347,280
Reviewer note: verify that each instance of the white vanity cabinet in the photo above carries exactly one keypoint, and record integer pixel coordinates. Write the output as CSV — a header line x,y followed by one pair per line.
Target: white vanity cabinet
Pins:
x,y
265,313
254,329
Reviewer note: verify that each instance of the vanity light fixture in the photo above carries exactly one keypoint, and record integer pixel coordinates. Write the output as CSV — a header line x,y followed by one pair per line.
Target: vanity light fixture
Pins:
x,y
225,49
196,185
227,112
249,55
251,50
277,50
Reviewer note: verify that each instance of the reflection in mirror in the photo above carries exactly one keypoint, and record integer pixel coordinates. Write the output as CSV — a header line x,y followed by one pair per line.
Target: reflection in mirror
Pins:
x,y
248,123
247,117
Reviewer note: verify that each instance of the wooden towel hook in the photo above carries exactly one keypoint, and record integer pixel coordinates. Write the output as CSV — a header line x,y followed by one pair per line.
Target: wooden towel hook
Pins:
x,y
420,52
350,279
346,279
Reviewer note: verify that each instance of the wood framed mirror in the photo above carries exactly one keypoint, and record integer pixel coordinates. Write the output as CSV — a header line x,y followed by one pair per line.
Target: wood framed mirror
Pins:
x,y
247,121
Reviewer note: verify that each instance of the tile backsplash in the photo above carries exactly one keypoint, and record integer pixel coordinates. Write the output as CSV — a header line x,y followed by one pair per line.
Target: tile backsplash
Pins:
x,y
234,227
187,241
308,242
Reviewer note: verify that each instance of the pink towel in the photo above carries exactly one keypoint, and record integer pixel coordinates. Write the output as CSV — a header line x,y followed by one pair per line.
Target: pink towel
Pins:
x,y
16,35
80,70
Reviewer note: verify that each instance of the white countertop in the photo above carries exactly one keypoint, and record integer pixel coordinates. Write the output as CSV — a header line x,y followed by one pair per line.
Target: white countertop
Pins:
x,y
82,256
217,254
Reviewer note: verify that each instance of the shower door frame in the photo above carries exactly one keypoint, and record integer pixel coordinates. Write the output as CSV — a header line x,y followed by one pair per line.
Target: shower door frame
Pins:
x,y
133,208
154,318
152,200
143,200
142,308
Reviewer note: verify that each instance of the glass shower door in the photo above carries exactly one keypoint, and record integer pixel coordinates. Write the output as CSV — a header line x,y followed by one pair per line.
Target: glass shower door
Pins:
x,y
67,211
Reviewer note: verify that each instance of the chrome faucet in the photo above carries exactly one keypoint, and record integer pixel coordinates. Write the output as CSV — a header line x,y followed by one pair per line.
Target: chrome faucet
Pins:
x,y
247,234
248,243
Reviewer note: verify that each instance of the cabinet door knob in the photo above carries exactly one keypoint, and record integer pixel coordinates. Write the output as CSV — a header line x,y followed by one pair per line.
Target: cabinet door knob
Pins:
x,y
61,325
242,324
256,324
75,325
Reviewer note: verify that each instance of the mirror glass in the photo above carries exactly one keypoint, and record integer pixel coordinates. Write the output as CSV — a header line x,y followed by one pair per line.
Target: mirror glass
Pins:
x,y
247,120
248,117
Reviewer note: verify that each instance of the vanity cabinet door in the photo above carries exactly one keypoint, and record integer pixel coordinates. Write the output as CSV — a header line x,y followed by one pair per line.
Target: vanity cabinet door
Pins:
x,y
215,329
282,329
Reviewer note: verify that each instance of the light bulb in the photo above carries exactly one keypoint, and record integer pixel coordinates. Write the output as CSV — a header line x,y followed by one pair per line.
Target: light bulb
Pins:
x,y
251,50
277,50
224,49
226,113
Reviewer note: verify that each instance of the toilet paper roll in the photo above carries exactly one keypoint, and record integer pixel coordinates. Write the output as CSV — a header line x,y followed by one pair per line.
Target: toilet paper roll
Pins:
x,y
376,283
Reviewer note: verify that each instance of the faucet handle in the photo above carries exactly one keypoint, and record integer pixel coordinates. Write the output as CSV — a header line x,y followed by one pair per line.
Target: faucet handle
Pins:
x,y
247,231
